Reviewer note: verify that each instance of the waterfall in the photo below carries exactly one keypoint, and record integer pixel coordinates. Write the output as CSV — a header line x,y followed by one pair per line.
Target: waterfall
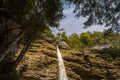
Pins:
x,y
62,73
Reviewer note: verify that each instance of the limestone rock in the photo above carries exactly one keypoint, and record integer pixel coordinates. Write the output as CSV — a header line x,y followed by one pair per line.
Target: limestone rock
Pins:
x,y
63,45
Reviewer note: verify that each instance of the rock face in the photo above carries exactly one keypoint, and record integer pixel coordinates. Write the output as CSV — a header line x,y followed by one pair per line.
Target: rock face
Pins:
x,y
40,63
63,45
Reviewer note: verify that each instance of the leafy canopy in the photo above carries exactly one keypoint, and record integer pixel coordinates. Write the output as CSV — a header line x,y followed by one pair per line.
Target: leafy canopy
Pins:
x,y
30,16
101,12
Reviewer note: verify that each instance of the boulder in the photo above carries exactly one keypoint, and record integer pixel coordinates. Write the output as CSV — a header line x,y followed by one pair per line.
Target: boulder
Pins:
x,y
63,45
50,40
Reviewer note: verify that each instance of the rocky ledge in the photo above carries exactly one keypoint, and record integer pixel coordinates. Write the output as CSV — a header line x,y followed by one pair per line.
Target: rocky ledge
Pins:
x,y
40,63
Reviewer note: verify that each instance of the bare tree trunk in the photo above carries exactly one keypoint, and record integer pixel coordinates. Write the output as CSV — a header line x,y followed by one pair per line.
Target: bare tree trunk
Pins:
x,y
9,47
22,54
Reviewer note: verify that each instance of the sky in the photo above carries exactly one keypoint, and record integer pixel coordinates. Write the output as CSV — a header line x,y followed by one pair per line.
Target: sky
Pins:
x,y
71,24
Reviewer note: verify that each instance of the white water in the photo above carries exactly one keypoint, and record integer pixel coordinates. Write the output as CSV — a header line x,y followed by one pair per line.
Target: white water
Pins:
x,y
62,73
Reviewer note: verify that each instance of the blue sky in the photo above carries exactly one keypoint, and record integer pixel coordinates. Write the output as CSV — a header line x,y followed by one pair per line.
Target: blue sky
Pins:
x,y
73,25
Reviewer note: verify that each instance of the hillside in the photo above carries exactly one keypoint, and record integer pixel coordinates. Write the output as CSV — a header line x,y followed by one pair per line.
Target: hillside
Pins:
x,y
40,63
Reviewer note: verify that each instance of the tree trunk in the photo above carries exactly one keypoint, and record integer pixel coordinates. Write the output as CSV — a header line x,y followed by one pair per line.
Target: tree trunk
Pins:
x,y
21,55
9,47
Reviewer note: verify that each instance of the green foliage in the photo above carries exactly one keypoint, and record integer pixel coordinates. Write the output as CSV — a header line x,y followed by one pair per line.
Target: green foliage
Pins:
x,y
115,42
29,16
115,52
48,33
99,12
23,21
74,41
87,39
62,36
98,36
22,10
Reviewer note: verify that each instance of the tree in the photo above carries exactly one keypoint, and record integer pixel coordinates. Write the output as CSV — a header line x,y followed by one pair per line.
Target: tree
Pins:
x,y
24,20
99,12
62,36
74,41
87,39
99,37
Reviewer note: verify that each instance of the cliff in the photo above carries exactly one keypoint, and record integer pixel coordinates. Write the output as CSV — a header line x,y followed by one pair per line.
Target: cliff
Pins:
x,y
40,63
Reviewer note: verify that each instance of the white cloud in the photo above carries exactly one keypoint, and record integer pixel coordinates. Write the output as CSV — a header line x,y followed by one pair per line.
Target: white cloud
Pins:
x,y
73,25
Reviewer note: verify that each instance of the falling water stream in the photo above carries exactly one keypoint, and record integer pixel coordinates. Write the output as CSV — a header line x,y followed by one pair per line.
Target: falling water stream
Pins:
x,y
62,73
